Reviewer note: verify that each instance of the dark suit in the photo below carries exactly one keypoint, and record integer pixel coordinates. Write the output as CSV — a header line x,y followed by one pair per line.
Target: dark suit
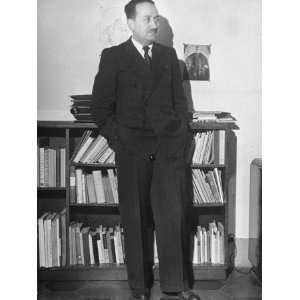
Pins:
x,y
143,114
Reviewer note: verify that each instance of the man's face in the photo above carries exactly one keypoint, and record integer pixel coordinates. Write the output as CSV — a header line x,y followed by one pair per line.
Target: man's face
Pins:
x,y
144,25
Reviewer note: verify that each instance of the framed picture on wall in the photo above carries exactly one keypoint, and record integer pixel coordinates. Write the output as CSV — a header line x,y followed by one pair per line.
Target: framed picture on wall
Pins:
x,y
196,62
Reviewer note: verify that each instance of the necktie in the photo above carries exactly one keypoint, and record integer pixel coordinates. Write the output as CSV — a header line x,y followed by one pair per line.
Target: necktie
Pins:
x,y
147,56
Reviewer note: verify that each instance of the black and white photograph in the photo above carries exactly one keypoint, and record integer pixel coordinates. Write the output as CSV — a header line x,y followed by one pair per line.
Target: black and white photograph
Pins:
x,y
149,169
134,137
196,61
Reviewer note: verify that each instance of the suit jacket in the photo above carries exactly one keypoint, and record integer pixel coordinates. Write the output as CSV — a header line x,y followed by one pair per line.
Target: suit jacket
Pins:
x,y
118,98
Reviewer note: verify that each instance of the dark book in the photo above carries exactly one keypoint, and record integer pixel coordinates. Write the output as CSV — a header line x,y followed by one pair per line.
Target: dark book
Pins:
x,y
108,242
91,189
113,245
79,254
80,109
84,97
95,237
85,240
63,236
58,175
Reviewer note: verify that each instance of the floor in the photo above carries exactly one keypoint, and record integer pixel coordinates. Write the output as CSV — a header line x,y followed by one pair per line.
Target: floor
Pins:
x,y
238,286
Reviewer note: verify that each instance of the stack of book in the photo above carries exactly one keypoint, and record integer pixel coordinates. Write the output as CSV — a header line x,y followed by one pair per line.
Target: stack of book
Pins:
x,y
98,186
51,167
93,149
207,186
209,245
81,108
213,116
52,239
209,147
96,247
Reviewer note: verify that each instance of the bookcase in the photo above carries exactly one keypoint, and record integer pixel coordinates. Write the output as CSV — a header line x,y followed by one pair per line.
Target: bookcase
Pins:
x,y
56,198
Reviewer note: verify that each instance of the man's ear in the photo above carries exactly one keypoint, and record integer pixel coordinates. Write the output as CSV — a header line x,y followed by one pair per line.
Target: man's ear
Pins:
x,y
130,23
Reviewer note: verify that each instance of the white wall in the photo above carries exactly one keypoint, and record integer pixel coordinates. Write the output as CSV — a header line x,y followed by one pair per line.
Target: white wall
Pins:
x,y
71,37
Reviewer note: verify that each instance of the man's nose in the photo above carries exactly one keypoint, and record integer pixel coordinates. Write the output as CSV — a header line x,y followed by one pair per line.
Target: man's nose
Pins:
x,y
153,24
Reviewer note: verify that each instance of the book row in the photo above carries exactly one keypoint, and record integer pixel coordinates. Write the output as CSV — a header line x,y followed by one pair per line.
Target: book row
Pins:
x,y
209,147
207,186
95,247
93,148
105,245
51,167
209,244
98,186
52,239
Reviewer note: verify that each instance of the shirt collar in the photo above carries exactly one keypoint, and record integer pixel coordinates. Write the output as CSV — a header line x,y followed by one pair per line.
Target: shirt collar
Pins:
x,y
139,47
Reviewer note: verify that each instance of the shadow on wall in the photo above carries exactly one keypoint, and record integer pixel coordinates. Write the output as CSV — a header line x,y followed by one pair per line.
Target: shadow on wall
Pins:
x,y
165,37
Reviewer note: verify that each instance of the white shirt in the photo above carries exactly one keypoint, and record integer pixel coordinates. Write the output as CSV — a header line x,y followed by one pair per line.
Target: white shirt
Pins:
x,y
139,47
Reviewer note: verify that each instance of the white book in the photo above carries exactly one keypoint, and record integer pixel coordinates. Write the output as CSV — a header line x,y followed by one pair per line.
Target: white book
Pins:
x,y
205,245
83,148
200,146
121,255
78,175
113,184
63,167
98,151
81,248
201,182
42,240
219,186
116,248
196,179
84,194
105,155
91,250
98,182
99,252
201,246
92,151
203,146
195,253
196,138
218,248
221,146
208,149
58,245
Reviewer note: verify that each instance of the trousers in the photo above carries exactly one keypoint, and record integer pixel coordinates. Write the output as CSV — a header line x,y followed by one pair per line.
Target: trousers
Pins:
x,y
152,197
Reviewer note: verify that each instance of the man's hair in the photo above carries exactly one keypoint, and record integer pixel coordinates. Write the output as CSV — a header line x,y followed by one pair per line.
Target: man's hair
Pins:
x,y
131,5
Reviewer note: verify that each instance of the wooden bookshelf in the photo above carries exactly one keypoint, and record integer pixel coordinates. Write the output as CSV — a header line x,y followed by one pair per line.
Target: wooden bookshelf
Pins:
x,y
69,133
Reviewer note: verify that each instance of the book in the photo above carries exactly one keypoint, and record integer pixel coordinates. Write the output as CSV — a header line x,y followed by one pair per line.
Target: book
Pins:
x,y
41,232
98,183
91,189
85,142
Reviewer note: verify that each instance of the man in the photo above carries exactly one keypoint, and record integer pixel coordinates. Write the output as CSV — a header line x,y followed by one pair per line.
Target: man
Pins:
x,y
139,106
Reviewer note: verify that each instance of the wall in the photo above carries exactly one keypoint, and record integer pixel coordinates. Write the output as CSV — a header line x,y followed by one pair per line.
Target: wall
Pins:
x,y
71,37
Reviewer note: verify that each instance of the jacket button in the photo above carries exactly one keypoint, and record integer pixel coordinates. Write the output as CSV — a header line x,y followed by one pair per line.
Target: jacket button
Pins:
x,y
151,157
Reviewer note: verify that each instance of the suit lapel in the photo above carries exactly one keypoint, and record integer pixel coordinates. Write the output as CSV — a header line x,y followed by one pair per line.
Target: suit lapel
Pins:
x,y
133,59
158,64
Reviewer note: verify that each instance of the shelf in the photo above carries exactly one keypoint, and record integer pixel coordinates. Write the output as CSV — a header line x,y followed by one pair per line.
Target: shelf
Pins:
x,y
209,205
94,205
91,125
94,165
207,166
106,205
212,126
114,272
51,189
